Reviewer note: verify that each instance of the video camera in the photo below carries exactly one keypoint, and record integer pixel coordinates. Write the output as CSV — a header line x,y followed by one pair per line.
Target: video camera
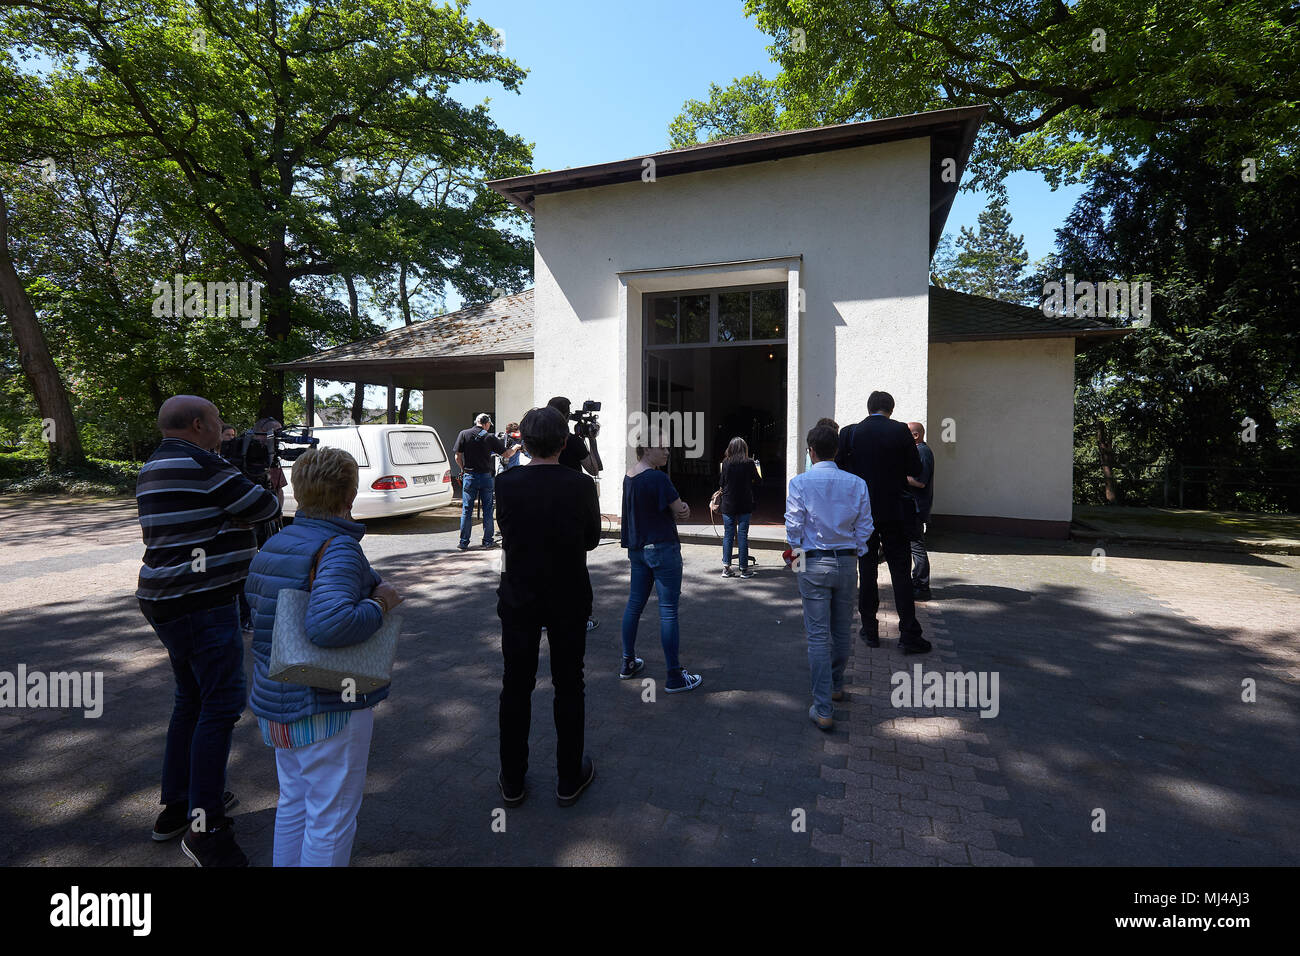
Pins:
x,y
254,457
586,425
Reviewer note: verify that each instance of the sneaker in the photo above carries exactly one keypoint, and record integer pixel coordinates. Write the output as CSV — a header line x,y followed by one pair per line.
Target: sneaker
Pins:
x,y
631,667
823,723
588,775
727,572
682,681
512,798
489,545
592,624
214,848
837,695
462,547
175,819
746,573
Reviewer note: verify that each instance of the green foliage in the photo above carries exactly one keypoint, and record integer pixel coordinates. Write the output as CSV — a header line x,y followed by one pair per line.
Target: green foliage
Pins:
x,y
990,262
28,473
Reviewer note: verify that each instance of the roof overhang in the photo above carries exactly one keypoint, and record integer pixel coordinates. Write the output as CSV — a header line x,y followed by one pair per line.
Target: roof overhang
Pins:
x,y
1021,336
951,131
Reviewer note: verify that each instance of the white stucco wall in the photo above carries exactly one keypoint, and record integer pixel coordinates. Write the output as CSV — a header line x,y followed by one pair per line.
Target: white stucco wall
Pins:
x,y
514,392
1012,404
452,410
859,218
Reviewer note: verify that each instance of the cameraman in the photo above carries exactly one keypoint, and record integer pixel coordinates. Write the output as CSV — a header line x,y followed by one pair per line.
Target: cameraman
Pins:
x,y
265,431
576,454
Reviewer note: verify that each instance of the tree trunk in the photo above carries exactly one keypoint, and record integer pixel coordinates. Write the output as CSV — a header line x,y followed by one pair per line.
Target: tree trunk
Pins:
x,y
1107,464
279,301
405,406
359,389
34,354
405,300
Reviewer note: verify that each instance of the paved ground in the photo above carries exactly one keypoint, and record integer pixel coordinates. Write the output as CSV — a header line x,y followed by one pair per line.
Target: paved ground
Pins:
x,y
1120,690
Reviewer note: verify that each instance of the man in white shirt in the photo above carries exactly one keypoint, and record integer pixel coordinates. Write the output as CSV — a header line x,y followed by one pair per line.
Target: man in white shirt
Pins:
x,y
827,523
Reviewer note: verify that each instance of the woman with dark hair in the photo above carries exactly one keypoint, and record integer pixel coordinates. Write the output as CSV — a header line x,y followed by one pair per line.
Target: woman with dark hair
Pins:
x,y
550,519
651,510
738,480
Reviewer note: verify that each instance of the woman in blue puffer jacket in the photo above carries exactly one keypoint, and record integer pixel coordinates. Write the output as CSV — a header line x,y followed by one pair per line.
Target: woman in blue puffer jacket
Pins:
x,y
321,741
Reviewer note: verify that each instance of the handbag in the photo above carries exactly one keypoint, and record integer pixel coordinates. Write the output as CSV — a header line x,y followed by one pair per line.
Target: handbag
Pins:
x,y
296,660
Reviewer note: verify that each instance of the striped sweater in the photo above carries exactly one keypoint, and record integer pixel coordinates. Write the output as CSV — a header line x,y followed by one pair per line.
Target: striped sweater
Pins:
x,y
195,514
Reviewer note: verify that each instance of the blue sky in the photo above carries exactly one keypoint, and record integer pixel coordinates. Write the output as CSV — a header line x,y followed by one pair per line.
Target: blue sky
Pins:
x,y
605,80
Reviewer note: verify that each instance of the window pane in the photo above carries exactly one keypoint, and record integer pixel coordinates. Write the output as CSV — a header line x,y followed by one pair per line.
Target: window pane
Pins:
x,y
663,320
415,448
695,317
733,316
769,314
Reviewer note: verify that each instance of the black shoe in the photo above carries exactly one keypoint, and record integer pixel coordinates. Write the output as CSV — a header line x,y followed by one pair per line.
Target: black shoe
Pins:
x,y
215,847
872,638
682,681
631,667
588,775
921,594
489,545
914,645
462,547
175,820
592,624
511,798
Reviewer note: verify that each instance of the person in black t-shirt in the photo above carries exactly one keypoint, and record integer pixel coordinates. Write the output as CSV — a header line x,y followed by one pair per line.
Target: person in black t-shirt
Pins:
x,y
550,519
737,482
474,449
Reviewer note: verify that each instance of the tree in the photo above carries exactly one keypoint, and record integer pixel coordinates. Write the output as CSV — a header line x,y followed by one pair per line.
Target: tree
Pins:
x,y
264,110
990,262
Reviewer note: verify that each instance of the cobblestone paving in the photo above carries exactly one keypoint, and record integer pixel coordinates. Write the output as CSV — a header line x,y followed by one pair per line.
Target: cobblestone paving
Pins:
x,y
1120,690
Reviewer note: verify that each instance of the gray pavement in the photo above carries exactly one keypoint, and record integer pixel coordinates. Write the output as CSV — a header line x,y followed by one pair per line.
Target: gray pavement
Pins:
x,y
1120,690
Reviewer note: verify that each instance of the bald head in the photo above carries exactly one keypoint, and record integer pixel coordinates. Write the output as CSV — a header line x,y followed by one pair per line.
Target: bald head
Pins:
x,y
917,430
192,418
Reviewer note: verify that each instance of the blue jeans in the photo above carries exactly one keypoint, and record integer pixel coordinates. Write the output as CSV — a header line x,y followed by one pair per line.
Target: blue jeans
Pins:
x,y
659,565
828,586
475,486
207,656
733,526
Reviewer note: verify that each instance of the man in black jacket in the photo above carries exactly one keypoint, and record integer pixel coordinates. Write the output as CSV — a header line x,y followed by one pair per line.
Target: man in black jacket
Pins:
x,y
883,454
550,519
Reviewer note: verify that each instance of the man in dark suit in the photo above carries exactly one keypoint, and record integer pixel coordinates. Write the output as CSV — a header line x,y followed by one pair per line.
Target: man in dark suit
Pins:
x,y
883,454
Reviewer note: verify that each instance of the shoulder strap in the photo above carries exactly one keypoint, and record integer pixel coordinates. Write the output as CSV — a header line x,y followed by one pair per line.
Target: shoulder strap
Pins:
x,y
311,578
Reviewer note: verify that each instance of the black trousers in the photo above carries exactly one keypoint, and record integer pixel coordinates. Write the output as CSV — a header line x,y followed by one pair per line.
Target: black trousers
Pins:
x,y
520,642
894,538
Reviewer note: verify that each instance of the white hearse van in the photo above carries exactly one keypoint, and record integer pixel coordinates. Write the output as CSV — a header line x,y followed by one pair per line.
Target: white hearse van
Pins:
x,y
403,468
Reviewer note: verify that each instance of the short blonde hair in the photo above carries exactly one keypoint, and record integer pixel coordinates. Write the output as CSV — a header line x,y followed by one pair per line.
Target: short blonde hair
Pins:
x,y
323,480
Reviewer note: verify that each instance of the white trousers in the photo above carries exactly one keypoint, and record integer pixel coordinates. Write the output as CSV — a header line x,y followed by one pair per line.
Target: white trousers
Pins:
x,y
321,786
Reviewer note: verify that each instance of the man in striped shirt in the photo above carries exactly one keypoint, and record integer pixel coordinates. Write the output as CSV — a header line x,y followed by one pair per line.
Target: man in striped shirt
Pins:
x,y
197,514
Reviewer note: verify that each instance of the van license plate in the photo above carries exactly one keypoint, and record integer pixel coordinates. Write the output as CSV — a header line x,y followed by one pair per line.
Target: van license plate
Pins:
x,y
424,479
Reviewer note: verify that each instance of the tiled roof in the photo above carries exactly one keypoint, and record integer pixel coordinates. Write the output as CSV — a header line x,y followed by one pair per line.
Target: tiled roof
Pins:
x,y
502,327
961,317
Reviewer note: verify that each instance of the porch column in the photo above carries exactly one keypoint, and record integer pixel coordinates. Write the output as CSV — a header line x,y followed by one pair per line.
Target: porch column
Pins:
x,y
311,401
392,404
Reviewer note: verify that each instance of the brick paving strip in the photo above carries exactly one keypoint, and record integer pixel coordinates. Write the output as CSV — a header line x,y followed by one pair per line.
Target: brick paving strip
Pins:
x,y
912,794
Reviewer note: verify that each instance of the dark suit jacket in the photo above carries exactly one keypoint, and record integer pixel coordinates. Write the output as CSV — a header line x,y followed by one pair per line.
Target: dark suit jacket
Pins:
x,y
883,455
550,519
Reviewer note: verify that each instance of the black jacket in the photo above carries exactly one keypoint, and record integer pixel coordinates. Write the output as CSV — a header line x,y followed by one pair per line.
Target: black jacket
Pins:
x,y
550,519
882,453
